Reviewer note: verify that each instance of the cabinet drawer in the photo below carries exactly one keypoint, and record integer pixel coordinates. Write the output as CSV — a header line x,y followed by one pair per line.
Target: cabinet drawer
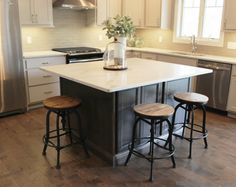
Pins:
x,y
133,54
39,93
178,60
151,56
44,61
37,76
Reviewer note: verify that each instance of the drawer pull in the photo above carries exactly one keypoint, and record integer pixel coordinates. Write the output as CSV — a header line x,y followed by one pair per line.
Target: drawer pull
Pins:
x,y
47,76
49,92
44,63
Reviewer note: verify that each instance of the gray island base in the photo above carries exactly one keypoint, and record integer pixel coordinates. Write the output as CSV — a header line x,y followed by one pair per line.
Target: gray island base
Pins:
x,y
108,118
108,98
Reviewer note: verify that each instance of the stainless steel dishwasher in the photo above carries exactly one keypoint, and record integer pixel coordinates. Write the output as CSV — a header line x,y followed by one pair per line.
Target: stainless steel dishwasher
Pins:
x,y
215,85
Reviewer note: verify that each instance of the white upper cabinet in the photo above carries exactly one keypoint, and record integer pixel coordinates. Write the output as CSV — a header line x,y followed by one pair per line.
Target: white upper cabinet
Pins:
x,y
230,15
149,13
35,12
107,9
135,10
153,13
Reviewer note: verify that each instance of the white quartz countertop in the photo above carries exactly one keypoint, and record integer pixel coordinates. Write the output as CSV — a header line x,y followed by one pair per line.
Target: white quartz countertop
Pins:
x,y
36,54
200,56
140,72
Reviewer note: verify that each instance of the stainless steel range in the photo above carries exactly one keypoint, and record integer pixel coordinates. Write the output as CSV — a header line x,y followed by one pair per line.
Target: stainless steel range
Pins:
x,y
81,54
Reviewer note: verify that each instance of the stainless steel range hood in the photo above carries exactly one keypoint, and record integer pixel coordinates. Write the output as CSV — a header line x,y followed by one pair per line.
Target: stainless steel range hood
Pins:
x,y
74,4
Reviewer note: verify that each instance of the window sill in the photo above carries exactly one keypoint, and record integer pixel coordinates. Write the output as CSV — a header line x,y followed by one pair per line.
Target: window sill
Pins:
x,y
212,43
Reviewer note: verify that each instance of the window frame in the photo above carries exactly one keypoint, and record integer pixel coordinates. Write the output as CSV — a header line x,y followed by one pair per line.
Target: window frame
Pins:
x,y
200,41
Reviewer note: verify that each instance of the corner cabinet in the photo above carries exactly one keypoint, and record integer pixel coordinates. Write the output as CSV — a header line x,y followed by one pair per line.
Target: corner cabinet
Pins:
x,y
36,13
152,13
231,107
230,15
40,84
135,10
149,13
107,9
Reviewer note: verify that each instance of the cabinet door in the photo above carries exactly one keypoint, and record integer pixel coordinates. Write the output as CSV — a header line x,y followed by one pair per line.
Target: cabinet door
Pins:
x,y
35,12
232,90
107,9
232,99
230,15
153,13
101,11
135,10
43,12
25,10
114,8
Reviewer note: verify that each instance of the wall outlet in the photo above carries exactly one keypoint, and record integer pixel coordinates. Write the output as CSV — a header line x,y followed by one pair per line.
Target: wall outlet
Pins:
x,y
231,45
100,37
160,39
29,40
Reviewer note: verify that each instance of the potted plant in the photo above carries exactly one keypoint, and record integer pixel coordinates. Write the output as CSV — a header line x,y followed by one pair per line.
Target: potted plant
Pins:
x,y
119,27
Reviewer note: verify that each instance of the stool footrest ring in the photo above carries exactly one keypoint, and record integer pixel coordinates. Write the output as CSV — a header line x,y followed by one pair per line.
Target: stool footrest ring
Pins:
x,y
202,136
142,155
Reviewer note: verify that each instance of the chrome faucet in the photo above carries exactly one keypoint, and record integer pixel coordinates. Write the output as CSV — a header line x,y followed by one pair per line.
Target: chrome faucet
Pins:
x,y
194,44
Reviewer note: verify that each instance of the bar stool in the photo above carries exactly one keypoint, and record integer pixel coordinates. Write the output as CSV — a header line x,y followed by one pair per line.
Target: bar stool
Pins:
x,y
189,102
62,106
153,114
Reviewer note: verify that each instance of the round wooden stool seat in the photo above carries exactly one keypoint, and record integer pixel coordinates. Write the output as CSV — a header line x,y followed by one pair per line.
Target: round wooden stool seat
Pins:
x,y
191,98
61,102
154,110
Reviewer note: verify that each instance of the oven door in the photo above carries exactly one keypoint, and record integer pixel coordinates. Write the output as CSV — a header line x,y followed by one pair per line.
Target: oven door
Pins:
x,y
84,58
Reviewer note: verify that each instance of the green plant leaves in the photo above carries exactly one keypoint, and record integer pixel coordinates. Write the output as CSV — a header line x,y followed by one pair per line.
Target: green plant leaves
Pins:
x,y
121,26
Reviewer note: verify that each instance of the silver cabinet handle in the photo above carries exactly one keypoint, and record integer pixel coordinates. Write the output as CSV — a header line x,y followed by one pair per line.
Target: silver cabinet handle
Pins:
x,y
47,76
48,92
44,63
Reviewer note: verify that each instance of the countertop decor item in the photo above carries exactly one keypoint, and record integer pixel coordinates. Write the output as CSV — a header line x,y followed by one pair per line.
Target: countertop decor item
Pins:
x,y
119,27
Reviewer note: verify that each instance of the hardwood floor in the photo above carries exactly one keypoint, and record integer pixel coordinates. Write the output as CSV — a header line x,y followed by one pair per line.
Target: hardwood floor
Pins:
x,y
22,164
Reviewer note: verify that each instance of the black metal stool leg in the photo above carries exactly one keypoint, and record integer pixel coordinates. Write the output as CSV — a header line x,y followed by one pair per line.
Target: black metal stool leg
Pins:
x,y
186,119
58,148
191,132
170,141
46,138
81,134
204,126
133,140
63,119
173,122
152,148
69,127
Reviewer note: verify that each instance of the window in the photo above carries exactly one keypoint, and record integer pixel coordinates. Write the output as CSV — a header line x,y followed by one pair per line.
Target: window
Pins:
x,y
201,18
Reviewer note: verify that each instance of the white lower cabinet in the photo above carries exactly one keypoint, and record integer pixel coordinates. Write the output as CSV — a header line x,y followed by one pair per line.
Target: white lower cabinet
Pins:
x,y
151,56
40,84
39,93
231,107
183,61
133,54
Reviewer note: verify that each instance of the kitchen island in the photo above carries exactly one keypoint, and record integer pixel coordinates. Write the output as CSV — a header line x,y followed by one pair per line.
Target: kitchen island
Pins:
x,y
108,98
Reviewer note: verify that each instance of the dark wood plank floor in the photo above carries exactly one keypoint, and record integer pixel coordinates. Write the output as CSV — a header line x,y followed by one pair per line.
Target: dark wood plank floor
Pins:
x,y
22,165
